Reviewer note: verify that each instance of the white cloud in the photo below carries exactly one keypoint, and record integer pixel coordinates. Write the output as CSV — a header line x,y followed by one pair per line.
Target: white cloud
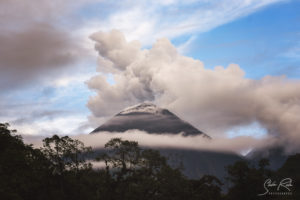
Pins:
x,y
66,81
215,100
184,48
238,145
142,20
147,21
61,125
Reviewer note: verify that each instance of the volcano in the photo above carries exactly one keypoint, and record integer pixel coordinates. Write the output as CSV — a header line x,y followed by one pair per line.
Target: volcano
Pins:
x,y
151,119
154,120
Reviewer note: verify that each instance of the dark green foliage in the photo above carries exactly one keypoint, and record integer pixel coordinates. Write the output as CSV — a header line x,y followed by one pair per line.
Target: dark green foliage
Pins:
x,y
206,188
290,169
59,170
65,153
140,174
28,173
247,181
22,168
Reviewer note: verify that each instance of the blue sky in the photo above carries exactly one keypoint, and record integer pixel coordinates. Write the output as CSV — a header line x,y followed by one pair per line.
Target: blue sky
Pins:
x,y
263,43
262,37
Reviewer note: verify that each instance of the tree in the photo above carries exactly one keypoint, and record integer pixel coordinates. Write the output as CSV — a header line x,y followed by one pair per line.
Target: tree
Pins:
x,y
67,164
206,188
290,169
23,169
121,155
247,181
66,154
140,173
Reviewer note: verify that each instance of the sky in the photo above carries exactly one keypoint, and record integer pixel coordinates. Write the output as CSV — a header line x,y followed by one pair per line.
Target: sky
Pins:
x,y
231,68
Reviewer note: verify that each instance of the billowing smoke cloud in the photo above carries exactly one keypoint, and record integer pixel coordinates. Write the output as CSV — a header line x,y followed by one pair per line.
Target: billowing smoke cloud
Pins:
x,y
214,100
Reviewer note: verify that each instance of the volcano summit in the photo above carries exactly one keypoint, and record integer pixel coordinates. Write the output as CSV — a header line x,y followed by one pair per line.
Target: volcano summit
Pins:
x,y
150,118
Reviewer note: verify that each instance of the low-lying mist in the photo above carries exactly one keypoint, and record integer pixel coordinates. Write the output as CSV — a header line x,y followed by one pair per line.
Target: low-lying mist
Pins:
x,y
240,145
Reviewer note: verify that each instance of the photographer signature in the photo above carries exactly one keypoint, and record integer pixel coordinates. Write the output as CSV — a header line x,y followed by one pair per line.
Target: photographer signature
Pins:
x,y
285,183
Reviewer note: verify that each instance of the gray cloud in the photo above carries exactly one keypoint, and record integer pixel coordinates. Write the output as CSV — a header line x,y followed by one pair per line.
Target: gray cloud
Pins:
x,y
213,100
19,114
26,54
38,115
34,41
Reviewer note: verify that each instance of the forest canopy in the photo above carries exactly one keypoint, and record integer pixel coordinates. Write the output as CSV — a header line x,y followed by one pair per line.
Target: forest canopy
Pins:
x,y
62,169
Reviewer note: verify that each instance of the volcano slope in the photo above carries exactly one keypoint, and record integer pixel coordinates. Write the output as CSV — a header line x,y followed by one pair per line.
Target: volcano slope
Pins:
x,y
149,118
